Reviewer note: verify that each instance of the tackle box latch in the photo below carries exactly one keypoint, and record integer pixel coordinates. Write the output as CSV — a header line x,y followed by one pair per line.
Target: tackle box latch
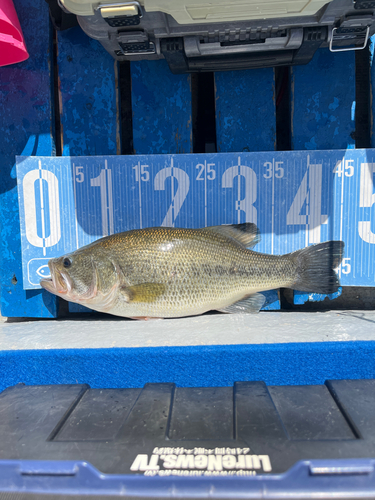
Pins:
x,y
352,33
135,43
121,14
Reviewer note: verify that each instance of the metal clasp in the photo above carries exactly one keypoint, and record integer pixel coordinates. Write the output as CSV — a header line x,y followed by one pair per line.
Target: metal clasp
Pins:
x,y
345,49
128,9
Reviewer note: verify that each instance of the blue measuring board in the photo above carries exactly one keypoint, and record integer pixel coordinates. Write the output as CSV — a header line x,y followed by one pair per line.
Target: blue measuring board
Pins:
x,y
296,198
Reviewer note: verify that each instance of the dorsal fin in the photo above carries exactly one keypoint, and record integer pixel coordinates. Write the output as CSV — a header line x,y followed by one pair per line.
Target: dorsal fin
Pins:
x,y
247,233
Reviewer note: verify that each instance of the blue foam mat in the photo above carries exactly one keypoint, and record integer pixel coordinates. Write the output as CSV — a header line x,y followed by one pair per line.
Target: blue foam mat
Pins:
x,y
192,366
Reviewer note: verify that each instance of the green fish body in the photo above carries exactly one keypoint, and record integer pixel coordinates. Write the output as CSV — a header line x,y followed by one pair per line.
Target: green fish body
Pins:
x,y
170,272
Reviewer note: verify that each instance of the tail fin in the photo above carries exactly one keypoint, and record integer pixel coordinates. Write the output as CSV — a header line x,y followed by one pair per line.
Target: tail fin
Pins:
x,y
315,267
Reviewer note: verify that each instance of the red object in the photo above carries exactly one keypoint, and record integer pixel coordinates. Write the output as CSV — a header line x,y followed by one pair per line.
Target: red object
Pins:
x,y
12,43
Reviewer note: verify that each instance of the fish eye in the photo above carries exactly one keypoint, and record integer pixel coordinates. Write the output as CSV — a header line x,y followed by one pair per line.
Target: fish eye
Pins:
x,y
67,262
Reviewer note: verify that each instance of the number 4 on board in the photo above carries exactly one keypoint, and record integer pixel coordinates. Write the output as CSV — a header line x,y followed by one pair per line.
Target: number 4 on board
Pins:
x,y
309,194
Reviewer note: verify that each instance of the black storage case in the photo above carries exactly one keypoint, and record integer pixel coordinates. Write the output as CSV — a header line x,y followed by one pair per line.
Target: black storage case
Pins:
x,y
245,441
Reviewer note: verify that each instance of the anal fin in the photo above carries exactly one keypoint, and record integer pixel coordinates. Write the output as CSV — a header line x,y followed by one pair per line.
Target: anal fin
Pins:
x,y
249,305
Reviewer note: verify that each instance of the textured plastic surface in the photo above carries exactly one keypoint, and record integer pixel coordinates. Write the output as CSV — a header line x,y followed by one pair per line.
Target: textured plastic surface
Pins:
x,y
245,110
187,11
25,128
194,38
323,115
89,104
163,430
161,104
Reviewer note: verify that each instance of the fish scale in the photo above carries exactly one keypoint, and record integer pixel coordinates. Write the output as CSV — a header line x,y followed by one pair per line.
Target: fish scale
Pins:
x,y
172,272
197,272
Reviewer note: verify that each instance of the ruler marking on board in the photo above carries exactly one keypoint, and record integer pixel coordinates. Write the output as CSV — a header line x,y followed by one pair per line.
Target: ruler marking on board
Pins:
x,y
109,197
341,213
205,194
239,189
75,204
273,204
140,195
169,192
42,207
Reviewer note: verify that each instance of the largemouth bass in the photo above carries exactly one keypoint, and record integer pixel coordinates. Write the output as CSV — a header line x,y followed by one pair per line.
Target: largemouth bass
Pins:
x,y
168,272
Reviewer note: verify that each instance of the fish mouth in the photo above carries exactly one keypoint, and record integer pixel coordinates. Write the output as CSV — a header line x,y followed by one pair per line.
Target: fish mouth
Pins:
x,y
59,283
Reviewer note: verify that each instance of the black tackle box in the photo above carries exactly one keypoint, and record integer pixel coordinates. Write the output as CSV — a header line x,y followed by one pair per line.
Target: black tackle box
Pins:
x,y
220,35
245,441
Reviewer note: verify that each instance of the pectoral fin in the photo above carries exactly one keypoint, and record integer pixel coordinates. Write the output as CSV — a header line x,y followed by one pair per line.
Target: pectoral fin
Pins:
x,y
144,292
250,305
247,233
